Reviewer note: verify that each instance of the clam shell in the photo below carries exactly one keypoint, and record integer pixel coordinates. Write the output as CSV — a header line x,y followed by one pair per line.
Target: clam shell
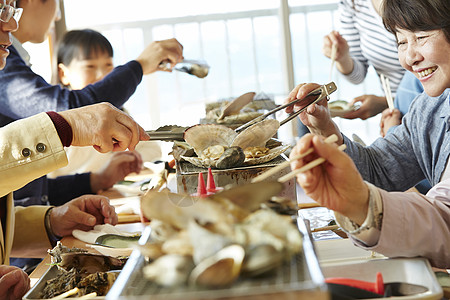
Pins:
x,y
202,136
257,135
169,270
219,270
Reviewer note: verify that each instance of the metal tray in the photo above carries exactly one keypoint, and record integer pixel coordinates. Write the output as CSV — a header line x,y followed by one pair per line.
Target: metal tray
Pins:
x,y
34,292
300,277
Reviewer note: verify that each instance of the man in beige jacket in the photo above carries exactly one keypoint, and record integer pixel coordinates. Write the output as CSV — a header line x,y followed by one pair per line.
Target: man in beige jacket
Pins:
x,y
32,147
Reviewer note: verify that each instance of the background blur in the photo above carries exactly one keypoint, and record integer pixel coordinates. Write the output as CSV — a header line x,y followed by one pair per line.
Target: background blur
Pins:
x,y
253,45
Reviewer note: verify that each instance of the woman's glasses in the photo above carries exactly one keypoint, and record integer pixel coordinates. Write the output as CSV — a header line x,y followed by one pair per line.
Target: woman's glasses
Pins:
x,y
7,11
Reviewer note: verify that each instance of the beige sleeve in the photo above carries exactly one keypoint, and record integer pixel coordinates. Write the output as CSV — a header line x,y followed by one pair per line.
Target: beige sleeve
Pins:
x,y
29,148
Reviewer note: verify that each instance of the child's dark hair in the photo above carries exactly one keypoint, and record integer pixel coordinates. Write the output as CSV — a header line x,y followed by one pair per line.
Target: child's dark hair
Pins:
x,y
417,15
82,44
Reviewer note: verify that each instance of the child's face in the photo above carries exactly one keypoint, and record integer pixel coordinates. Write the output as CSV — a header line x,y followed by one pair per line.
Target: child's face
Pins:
x,y
427,55
82,72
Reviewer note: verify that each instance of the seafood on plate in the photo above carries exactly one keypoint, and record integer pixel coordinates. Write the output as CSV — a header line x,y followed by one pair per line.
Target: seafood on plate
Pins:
x,y
220,147
223,236
81,272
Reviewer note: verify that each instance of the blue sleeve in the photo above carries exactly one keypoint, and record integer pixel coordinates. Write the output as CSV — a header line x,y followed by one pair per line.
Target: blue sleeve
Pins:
x,y
46,191
24,93
62,189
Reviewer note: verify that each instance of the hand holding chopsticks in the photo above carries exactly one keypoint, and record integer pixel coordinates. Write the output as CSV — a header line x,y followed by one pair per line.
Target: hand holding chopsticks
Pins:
x,y
331,139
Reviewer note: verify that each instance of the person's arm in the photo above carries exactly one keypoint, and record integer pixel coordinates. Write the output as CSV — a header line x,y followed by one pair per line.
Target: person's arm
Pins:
x,y
394,224
27,153
350,33
408,224
33,147
29,94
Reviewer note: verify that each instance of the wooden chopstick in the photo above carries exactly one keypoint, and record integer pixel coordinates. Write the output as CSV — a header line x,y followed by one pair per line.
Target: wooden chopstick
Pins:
x,y
333,58
331,139
306,167
387,91
330,227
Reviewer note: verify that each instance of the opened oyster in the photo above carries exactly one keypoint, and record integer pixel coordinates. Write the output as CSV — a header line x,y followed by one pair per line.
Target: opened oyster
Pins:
x,y
220,147
81,272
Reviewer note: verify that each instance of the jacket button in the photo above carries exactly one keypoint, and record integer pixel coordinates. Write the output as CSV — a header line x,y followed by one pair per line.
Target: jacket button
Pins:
x,y
26,152
40,147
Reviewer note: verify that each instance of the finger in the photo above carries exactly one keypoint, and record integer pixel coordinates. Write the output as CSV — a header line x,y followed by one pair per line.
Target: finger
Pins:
x,y
10,280
132,127
23,285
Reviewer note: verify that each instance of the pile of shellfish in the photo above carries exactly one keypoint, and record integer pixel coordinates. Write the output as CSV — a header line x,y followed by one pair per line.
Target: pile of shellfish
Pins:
x,y
212,241
218,146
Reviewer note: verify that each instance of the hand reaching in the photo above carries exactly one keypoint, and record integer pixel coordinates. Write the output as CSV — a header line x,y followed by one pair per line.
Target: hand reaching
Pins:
x,y
104,127
119,166
371,105
82,213
155,53
14,283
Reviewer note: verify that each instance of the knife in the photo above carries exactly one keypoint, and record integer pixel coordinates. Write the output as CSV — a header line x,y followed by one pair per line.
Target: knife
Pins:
x,y
380,287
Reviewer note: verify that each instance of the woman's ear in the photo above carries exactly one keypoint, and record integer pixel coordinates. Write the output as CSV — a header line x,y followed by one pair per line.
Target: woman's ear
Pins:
x,y
63,74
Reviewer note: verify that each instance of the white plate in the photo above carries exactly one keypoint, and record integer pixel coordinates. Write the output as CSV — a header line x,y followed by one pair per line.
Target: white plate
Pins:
x,y
339,108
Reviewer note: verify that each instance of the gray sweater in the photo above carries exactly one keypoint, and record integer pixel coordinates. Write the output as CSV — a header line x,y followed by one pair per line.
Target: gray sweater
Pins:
x,y
417,149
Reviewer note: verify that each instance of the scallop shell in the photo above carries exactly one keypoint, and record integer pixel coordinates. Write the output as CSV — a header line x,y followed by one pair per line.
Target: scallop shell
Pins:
x,y
273,153
203,136
257,135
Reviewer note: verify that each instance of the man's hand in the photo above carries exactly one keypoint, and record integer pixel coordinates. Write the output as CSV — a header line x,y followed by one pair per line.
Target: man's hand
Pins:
x,y
119,166
82,213
160,51
104,127
336,183
14,283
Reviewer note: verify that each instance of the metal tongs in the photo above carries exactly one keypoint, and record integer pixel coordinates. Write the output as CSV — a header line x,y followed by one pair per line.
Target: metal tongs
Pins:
x,y
313,97
197,68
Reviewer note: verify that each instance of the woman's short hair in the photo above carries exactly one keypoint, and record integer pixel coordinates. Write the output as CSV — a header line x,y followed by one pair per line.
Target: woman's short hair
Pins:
x,y
417,15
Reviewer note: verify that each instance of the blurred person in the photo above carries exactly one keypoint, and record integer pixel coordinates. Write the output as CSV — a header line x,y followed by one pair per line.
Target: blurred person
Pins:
x,y
417,148
361,42
85,57
395,224
29,94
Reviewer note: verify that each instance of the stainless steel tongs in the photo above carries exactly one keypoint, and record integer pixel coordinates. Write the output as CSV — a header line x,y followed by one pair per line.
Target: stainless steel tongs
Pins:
x,y
314,96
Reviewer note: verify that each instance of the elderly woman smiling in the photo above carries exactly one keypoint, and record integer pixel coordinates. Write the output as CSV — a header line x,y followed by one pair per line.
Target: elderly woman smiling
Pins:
x,y
394,224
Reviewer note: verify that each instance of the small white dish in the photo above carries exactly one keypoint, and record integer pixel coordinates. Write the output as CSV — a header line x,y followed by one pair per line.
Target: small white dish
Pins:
x,y
339,108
